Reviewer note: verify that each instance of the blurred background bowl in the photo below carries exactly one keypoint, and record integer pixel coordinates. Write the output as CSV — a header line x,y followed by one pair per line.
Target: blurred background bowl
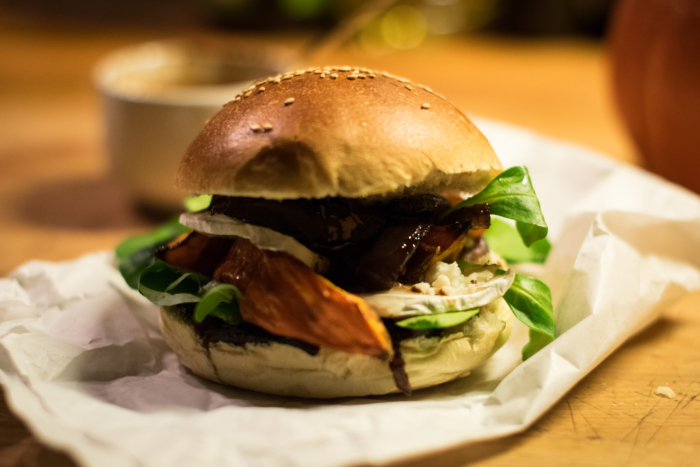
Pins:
x,y
157,96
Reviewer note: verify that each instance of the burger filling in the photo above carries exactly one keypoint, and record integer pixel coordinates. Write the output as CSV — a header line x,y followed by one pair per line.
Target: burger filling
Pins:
x,y
354,275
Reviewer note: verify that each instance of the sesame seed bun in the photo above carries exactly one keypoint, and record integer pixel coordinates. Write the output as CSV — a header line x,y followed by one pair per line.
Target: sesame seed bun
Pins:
x,y
284,370
344,132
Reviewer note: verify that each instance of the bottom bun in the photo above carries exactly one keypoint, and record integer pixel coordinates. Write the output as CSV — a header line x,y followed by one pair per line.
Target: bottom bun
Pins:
x,y
281,369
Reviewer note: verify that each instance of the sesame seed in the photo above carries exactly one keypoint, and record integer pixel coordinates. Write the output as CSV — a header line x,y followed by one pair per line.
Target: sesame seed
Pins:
x,y
236,99
261,88
309,70
261,82
409,87
344,68
351,77
318,71
365,70
285,77
255,127
334,68
404,80
334,75
425,106
276,81
289,101
298,73
370,76
386,75
248,94
362,76
427,89
323,75
267,127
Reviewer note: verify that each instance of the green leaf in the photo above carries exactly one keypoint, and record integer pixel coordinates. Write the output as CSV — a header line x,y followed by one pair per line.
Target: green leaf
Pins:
x,y
512,196
168,285
531,302
538,341
132,267
137,253
438,321
503,238
465,265
197,203
220,301
156,237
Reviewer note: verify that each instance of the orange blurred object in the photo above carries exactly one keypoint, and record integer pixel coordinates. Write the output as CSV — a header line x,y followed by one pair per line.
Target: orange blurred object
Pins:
x,y
655,50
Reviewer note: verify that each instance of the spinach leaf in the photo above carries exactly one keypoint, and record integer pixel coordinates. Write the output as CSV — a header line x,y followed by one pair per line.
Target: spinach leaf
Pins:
x,y
504,239
512,196
167,285
137,253
220,301
438,321
531,302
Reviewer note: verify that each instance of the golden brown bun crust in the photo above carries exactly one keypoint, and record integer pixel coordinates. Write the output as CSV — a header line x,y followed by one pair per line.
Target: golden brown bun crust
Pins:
x,y
339,137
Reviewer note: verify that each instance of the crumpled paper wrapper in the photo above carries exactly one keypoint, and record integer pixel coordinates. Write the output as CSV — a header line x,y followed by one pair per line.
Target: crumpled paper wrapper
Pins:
x,y
84,365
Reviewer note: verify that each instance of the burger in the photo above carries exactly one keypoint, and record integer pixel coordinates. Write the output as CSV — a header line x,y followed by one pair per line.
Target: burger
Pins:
x,y
340,251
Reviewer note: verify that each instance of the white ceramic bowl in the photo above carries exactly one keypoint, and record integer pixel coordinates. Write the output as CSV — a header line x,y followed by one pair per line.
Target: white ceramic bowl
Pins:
x,y
157,97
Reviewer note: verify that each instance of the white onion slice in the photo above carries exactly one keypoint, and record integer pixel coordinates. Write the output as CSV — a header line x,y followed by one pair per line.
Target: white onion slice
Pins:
x,y
398,303
262,237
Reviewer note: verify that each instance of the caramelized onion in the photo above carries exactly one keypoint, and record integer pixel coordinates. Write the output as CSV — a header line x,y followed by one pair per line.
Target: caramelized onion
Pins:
x,y
442,243
325,223
379,267
479,217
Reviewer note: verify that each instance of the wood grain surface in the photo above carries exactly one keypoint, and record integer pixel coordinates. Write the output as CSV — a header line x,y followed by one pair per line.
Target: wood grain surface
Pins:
x,y
57,201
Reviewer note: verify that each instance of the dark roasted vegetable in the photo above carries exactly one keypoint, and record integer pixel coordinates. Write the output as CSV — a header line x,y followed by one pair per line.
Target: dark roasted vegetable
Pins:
x,y
196,252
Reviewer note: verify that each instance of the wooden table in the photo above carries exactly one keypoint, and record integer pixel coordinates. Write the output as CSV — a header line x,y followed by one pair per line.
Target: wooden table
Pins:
x,y
57,201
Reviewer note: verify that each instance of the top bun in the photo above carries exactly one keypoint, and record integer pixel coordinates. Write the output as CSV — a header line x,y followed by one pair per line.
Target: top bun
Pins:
x,y
339,132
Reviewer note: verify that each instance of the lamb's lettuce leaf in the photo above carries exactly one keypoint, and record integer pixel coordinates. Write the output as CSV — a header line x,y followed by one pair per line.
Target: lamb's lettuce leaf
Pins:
x,y
197,203
137,253
512,196
438,321
537,342
168,285
504,239
531,302
220,301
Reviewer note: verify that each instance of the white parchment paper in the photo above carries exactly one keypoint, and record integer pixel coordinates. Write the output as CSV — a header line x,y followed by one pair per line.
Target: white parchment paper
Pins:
x,y
83,363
